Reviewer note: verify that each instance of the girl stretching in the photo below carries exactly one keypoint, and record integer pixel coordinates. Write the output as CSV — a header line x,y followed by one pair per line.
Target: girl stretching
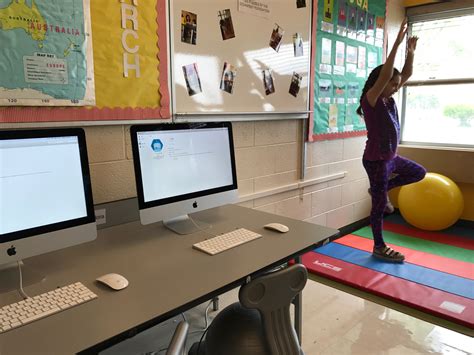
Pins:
x,y
380,157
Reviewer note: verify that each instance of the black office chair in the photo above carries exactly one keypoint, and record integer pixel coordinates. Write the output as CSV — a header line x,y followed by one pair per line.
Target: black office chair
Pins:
x,y
260,323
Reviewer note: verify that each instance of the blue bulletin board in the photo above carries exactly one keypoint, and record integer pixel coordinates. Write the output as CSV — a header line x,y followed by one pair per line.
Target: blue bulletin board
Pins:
x,y
348,40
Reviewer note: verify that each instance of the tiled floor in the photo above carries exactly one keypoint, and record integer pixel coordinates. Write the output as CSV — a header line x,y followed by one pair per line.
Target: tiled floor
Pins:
x,y
334,323
340,323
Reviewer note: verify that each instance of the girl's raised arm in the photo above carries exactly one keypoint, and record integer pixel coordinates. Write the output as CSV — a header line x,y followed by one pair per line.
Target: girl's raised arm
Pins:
x,y
387,69
407,70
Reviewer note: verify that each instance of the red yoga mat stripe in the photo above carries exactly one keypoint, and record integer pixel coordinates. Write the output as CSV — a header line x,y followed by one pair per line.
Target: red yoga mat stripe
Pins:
x,y
435,262
438,237
443,304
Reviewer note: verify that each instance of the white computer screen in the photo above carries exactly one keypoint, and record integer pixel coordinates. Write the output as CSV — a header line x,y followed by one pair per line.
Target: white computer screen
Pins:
x,y
178,162
41,182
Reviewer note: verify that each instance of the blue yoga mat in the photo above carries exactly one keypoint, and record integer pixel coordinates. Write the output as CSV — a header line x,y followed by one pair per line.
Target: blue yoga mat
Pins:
x,y
419,274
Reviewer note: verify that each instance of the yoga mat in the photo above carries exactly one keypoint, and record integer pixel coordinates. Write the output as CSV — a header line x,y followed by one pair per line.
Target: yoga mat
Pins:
x,y
442,304
437,276
436,248
437,237
435,262
419,274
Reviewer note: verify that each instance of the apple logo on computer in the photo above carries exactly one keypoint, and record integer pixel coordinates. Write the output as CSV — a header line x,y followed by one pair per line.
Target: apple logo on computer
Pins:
x,y
11,251
195,204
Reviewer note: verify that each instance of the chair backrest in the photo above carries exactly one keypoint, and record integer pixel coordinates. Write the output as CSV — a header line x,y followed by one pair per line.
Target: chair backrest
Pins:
x,y
271,295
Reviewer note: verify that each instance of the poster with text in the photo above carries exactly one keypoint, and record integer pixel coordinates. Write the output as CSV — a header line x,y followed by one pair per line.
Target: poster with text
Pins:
x,y
46,55
259,8
344,59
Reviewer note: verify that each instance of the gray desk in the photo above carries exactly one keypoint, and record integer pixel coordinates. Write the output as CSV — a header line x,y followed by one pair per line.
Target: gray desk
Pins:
x,y
166,275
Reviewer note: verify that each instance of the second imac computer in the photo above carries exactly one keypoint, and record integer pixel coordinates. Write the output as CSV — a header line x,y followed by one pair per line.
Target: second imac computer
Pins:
x,y
45,193
183,168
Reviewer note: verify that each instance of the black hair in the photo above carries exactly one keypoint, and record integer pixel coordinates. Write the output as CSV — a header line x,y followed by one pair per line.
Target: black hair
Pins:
x,y
373,76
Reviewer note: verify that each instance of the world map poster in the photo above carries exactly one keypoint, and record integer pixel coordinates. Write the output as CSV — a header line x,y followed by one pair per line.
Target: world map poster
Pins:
x,y
46,53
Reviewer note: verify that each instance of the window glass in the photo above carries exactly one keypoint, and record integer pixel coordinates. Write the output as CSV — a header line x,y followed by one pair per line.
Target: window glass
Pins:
x,y
439,110
445,48
440,114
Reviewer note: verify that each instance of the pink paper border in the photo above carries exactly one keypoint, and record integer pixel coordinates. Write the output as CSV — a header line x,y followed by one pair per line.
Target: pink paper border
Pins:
x,y
71,114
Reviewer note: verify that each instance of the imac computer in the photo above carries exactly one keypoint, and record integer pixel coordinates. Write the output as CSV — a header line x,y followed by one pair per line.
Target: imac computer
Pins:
x,y
45,193
183,168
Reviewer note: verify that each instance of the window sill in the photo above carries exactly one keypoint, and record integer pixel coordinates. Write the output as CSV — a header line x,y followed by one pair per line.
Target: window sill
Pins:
x,y
436,147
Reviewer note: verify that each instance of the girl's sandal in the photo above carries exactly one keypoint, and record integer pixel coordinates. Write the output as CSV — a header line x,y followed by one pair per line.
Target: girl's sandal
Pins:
x,y
388,254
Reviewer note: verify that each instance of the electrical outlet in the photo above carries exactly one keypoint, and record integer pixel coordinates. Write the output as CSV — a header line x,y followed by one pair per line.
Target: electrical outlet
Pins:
x,y
100,216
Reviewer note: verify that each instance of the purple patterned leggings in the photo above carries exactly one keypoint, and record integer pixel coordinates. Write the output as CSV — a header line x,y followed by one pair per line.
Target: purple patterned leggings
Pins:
x,y
379,172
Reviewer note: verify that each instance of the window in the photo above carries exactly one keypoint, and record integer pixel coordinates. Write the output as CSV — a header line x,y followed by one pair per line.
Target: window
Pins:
x,y
438,100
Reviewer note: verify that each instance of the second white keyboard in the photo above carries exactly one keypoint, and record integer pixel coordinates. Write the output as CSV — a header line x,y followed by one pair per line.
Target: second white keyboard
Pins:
x,y
23,312
226,241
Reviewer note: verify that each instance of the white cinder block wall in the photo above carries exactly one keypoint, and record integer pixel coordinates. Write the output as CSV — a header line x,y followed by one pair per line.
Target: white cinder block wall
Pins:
x,y
268,157
272,160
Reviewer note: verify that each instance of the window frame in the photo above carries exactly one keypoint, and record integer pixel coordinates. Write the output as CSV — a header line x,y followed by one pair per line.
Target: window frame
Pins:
x,y
442,15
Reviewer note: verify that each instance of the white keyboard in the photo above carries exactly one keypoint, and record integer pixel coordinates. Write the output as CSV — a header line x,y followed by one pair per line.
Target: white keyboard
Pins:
x,y
226,241
23,312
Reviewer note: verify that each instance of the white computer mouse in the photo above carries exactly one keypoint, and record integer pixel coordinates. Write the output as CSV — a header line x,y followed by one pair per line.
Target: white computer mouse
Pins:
x,y
277,227
114,281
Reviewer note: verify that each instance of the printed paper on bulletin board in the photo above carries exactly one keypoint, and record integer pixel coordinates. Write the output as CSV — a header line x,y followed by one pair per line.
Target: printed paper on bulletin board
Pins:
x,y
129,61
348,43
46,57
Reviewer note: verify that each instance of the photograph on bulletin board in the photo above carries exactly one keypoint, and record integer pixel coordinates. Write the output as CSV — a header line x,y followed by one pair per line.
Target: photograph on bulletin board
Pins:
x,y
92,61
349,40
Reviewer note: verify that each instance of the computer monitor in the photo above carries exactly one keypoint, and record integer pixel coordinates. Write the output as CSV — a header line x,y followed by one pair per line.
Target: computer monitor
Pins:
x,y
183,168
45,192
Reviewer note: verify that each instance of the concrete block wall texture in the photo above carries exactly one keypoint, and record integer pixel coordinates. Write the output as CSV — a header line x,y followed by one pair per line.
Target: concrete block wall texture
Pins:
x,y
267,157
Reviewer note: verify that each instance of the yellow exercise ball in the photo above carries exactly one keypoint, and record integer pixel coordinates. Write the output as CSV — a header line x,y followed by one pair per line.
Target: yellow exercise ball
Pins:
x,y
433,203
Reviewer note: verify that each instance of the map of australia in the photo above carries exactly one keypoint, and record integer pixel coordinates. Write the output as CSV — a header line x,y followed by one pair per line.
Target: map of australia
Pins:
x,y
45,53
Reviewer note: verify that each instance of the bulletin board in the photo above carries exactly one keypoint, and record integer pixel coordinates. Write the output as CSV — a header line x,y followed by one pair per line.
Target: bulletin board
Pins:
x,y
83,61
233,57
348,43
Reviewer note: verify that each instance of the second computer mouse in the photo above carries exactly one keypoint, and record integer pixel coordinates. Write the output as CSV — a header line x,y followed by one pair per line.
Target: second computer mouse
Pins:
x,y
277,227
114,281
